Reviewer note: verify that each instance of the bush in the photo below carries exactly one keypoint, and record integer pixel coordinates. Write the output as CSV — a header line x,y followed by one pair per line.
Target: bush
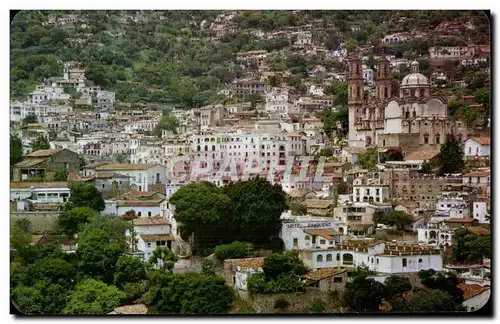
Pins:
x,y
317,306
381,235
285,283
235,250
258,285
281,303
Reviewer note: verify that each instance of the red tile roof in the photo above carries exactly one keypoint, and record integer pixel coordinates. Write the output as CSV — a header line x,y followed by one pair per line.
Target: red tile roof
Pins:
x,y
483,140
472,290
43,153
460,220
322,273
478,230
146,221
477,174
253,263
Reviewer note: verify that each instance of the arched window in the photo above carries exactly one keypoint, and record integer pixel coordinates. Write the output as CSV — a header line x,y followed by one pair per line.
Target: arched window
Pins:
x,y
213,147
329,257
319,258
307,238
348,259
419,260
338,256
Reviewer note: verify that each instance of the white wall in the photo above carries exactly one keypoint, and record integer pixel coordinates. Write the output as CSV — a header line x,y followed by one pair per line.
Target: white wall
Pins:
x,y
386,263
479,210
477,302
145,211
473,148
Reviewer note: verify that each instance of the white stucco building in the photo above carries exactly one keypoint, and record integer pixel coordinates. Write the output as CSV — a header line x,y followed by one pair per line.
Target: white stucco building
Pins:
x,y
370,190
451,207
479,211
435,232
141,175
150,233
40,192
385,257
477,146
307,232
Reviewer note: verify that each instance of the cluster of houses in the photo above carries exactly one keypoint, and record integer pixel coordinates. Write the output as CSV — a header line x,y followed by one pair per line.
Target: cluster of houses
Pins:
x,y
137,172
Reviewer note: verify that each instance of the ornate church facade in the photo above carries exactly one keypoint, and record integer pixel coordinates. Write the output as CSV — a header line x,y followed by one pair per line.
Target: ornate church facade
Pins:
x,y
414,118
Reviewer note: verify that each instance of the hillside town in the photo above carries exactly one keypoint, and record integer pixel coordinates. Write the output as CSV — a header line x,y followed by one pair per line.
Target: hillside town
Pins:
x,y
320,161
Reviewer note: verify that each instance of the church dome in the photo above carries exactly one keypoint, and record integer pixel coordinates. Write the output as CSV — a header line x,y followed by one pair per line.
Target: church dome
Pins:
x,y
414,79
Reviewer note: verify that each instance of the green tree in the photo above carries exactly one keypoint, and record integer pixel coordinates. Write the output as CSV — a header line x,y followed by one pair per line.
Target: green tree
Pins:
x,y
278,264
257,206
61,175
16,149
396,286
42,298
369,159
325,152
40,143
392,218
351,45
163,258
20,236
30,119
297,208
128,270
93,297
469,247
168,123
445,282
71,221
235,250
98,254
208,267
363,295
451,156
189,293
201,207
431,301
86,195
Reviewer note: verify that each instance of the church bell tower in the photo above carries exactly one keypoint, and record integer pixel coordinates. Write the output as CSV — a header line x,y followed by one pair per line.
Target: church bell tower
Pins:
x,y
355,94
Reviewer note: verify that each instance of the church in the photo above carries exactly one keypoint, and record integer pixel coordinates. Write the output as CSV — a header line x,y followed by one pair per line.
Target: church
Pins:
x,y
412,119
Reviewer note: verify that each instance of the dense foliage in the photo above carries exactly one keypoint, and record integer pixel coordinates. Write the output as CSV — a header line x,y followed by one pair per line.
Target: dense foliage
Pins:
x,y
241,211
469,247
396,218
235,250
189,293
451,156
282,273
86,195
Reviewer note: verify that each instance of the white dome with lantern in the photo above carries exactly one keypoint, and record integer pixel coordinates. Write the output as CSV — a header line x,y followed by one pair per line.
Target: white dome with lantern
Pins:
x,y
414,79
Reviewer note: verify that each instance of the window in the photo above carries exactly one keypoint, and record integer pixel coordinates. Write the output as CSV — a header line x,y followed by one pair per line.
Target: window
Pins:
x,y
337,279
319,258
295,242
148,244
404,262
419,260
322,241
307,238
331,242
139,214
378,261
329,257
